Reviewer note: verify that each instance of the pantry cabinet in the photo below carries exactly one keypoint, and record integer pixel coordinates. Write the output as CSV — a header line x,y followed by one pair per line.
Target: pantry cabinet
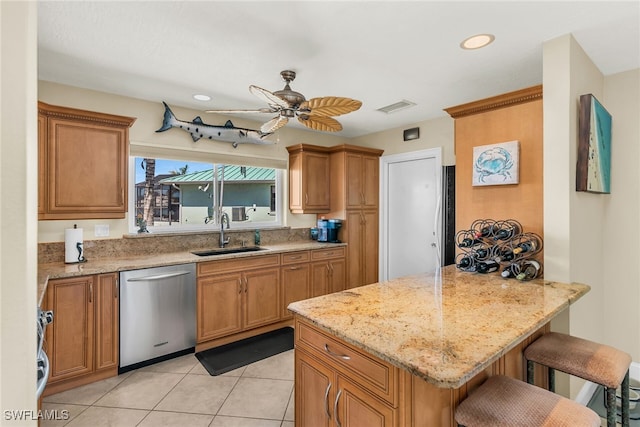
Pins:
x,y
82,159
309,179
82,341
355,173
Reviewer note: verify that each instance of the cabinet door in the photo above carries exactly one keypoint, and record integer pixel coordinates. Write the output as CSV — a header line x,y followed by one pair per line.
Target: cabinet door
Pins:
x,y
370,181
353,230
369,248
315,182
70,335
295,285
320,283
314,392
106,332
338,272
357,408
354,181
219,309
261,297
42,163
87,173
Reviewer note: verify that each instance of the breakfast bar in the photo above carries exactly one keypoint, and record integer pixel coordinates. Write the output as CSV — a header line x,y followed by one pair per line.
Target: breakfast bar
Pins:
x,y
406,351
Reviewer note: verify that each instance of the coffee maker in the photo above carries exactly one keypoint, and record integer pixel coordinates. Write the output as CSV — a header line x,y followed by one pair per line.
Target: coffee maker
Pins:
x,y
328,230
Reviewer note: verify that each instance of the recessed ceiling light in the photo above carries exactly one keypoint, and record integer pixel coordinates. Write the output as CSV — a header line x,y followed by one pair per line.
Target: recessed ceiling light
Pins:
x,y
201,97
477,41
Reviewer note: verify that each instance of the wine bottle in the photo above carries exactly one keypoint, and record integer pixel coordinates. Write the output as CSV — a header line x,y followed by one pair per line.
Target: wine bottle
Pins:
x,y
488,266
485,252
508,231
468,242
465,263
530,270
511,270
485,231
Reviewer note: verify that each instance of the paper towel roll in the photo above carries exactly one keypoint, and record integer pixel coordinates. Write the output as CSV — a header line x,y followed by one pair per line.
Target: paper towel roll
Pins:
x,y
73,236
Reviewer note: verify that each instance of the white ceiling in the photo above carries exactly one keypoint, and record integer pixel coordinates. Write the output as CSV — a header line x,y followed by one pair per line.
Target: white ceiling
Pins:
x,y
378,52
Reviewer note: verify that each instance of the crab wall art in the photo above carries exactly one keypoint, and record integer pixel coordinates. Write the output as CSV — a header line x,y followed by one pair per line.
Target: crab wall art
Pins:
x,y
496,164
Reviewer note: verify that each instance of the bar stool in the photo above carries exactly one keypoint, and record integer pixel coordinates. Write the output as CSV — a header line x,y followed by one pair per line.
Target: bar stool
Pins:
x,y
588,360
506,402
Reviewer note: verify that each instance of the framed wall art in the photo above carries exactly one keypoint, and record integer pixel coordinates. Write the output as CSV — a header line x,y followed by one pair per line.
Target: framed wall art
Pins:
x,y
593,171
496,164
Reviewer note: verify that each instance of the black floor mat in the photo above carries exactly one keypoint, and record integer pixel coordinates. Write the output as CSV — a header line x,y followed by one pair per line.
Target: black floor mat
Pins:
x,y
235,355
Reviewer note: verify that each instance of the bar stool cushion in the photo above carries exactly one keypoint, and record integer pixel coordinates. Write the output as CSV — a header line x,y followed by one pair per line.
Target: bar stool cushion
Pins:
x,y
591,361
506,402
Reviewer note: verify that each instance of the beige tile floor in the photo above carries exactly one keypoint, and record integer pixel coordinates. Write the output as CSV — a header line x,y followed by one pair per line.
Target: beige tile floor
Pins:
x,y
180,392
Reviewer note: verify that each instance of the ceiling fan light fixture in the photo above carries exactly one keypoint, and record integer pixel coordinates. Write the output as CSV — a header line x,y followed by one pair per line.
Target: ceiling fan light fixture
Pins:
x,y
201,97
477,41
396,106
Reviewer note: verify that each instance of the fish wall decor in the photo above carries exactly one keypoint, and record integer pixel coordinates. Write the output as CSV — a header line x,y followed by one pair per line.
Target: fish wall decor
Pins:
x,y
227,133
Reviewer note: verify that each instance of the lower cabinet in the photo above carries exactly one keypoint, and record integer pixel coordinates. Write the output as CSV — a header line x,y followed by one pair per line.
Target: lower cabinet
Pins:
x,y
332,385
239,299
328,271
82,340
295,276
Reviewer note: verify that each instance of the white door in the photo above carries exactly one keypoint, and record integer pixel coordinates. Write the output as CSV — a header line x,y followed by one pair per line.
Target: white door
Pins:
x,y
410,213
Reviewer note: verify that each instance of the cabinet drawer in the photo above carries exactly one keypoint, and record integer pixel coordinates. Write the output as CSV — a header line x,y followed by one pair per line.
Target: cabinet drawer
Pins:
x,y
320,254
295,257
373,374
238,264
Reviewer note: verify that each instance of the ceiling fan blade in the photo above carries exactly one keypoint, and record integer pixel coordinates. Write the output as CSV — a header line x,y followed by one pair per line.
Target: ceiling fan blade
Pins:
x,y
274,101
274,124
260,110
331,105
321,123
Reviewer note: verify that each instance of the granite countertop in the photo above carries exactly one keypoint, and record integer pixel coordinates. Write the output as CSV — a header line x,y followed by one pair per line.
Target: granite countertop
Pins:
x,y
444,327
109,265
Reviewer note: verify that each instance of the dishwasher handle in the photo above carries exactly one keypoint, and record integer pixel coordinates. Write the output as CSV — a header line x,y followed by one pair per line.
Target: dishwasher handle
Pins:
x,y
158,276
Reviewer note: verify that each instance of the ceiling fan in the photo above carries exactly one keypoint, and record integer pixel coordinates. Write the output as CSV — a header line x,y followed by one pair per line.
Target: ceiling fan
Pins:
x,y
315,113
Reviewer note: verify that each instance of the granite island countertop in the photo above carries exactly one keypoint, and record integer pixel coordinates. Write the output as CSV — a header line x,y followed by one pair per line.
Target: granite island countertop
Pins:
x,y
443,327
60,270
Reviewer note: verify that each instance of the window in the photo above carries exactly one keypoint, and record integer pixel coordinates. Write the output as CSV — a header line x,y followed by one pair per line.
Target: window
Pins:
x,y
177,195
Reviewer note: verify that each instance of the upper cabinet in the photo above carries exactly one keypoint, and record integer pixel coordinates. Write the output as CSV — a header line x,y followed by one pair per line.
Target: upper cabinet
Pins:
x,y
356,177
82,163
308,179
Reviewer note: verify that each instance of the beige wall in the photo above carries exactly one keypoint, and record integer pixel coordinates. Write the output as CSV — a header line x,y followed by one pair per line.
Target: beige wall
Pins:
x,y
592,238
176,143
18,209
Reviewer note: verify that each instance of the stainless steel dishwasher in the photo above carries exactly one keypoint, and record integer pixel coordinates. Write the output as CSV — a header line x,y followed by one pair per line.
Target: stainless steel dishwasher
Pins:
x,y
157,314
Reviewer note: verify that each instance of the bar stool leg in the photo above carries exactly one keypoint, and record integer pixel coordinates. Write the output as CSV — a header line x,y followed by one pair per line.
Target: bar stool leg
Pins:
x,y
530,371
625,400
611,406
552,380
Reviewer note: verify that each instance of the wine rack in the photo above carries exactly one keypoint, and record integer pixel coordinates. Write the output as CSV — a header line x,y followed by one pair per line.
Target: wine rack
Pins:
x,y
499,245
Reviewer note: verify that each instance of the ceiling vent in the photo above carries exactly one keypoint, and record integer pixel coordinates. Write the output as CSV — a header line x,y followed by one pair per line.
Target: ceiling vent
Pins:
x,y
392,108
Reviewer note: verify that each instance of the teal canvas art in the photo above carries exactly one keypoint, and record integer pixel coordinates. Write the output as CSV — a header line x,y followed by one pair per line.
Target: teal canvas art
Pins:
x,y
593,171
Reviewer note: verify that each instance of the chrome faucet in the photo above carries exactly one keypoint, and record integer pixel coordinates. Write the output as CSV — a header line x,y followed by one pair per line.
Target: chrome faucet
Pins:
x,y
224,217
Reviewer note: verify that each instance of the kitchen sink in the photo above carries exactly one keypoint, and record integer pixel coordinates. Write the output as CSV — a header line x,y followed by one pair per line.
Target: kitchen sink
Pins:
x,y
226,251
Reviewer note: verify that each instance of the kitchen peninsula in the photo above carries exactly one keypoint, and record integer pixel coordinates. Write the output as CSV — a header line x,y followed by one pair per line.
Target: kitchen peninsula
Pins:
x,y
406,351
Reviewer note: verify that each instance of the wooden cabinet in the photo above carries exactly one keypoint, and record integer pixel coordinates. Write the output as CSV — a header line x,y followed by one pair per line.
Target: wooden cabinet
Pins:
x,y
237,295
308,179
82,341
336,385
361,231
83,159
328,271
295,279
362,177
355,177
